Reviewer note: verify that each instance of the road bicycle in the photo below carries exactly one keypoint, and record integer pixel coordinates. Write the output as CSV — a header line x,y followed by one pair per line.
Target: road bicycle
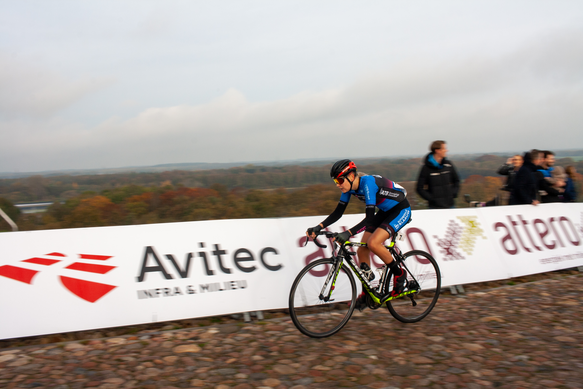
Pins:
x,y
323,295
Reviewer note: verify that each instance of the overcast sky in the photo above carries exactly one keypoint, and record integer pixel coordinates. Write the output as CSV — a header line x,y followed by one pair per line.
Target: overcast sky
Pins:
x,y
98,84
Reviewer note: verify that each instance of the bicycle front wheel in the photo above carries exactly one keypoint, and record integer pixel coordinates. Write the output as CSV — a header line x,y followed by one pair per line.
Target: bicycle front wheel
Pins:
x,y
424,279
314,310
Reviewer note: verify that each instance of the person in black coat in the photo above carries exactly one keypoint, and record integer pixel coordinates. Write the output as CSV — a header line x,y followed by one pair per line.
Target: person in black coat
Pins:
x,y
525,189
510,168
438,181
570,194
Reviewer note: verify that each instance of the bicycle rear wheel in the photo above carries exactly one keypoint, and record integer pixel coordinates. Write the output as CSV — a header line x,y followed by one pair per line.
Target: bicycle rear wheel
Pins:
x,y
311,314
424,277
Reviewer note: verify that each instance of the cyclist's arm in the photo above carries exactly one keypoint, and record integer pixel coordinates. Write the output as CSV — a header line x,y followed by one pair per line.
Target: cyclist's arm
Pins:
x,y
335,215
370,212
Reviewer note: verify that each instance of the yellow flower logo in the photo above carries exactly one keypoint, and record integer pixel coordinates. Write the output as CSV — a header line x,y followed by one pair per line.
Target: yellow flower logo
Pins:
x,y
471,232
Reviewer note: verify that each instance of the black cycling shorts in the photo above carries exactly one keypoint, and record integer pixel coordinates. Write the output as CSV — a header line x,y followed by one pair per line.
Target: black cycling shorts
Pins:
x,y
392,220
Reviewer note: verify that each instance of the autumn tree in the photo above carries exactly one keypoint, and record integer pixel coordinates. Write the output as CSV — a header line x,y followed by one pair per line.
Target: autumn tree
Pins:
x,y
94,211
481,188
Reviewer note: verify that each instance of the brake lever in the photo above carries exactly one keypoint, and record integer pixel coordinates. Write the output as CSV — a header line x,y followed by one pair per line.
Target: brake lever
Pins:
x,y
321,245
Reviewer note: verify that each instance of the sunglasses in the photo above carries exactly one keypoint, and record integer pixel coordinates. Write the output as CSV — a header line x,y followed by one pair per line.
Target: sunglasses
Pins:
x,y
339,180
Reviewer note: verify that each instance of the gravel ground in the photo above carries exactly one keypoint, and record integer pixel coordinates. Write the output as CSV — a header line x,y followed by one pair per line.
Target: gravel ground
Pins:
x,y
520,333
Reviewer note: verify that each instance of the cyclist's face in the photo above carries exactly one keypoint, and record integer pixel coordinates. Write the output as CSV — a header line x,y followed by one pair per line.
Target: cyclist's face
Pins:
x,y
343,184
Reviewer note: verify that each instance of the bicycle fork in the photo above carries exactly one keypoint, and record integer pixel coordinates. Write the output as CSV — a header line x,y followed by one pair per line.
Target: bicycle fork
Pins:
x,y
326,296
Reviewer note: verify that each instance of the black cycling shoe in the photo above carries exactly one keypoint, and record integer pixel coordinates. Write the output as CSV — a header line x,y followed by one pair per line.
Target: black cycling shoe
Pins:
x,y
399,282
360,303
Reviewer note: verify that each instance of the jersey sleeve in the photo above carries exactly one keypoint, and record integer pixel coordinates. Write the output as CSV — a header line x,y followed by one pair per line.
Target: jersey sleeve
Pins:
x,y
337,213
345,198
370,212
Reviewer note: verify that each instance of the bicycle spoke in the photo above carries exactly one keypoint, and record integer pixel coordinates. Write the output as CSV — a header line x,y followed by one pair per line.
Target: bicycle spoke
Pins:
x,y
311,314
424,278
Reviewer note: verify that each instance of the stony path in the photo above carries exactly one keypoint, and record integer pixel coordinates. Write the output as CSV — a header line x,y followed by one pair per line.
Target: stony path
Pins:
x,y
523,336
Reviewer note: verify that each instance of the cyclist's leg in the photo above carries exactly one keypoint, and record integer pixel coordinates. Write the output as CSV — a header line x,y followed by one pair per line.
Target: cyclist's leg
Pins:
x,y
394,222
363,253
376,243
396,219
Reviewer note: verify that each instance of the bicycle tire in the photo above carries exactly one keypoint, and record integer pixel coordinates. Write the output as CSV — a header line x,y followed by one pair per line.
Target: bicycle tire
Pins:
x,y
424,269
310,314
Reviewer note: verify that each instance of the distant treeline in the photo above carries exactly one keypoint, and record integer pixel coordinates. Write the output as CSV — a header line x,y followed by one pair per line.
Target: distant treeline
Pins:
x,y
242,192
135,204
59,188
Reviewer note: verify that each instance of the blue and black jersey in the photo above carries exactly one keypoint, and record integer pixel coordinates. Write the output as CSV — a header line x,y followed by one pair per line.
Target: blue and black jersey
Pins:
x,y
375,192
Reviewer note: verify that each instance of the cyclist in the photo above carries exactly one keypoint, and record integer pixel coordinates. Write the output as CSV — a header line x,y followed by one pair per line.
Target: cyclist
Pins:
x,y
393,213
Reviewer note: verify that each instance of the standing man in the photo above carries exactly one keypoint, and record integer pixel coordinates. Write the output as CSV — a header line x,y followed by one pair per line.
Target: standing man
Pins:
x,y
525,189
438,182
544,174
547,163
510,168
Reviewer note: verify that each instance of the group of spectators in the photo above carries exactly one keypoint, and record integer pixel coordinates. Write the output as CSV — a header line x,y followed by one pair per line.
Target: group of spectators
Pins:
x,y
535,179
532,179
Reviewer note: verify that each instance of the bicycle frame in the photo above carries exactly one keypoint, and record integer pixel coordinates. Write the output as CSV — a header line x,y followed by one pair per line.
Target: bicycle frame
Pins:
x,y
341,254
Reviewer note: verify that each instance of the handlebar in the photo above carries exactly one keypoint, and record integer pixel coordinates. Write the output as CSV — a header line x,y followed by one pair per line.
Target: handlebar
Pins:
x,y
332,235
327,234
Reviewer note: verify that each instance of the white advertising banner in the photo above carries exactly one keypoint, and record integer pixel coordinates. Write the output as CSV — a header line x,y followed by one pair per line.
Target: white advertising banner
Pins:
x,y
79,279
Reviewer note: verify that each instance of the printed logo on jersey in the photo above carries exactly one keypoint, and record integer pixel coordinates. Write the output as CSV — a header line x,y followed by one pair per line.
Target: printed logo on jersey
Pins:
x,y
387,193
87,290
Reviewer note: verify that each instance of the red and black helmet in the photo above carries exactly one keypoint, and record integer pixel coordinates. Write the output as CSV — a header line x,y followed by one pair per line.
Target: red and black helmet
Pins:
x,y
342,168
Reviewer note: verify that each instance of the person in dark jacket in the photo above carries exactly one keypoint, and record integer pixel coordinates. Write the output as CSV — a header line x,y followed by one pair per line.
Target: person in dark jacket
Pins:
x,y
554,186
545,171
510,168
525,189
438,181
570,194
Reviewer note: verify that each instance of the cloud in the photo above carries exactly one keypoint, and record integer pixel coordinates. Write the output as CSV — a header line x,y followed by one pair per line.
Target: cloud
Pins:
x,y
28,90
532,97
156,23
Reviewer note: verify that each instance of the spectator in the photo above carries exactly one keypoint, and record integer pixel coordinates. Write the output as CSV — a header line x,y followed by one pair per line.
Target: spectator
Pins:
x,y
547,163
525,189
510,168
545,172
553,186
570,195
438,181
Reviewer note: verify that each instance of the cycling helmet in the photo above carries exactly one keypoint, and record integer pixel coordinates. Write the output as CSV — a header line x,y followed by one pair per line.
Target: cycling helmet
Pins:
x,y
342,168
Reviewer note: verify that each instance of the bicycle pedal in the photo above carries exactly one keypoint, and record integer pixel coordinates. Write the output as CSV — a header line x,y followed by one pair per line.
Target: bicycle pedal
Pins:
x,y
413,302
370,303
412,285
